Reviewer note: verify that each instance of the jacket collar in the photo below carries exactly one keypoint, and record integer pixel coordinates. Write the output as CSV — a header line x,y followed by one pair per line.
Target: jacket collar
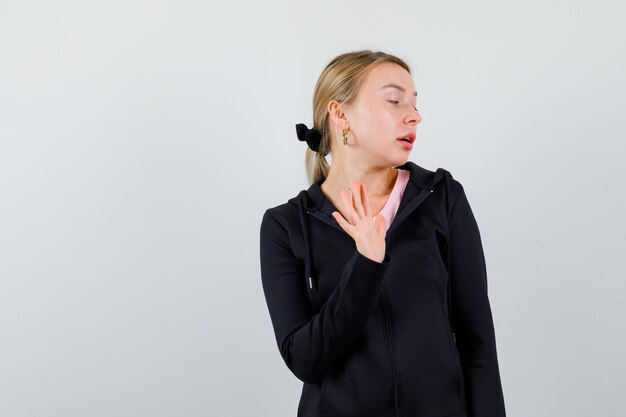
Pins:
x,y
420,178
313,201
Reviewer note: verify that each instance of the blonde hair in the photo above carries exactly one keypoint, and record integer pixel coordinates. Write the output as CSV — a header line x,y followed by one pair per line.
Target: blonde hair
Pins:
x,y
339,81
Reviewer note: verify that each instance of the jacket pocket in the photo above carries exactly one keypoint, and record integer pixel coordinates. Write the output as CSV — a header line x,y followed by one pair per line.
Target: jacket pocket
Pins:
x,y
454,354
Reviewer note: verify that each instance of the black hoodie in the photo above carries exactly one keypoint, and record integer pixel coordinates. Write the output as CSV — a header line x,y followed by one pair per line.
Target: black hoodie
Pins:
x,y
376,339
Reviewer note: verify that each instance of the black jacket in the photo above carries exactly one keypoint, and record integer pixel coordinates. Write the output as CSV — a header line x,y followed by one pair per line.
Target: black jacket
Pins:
x,y
375,339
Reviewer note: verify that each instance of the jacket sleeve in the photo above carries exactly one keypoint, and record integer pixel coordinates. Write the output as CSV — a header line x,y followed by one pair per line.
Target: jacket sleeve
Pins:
x,y
471,311
308,341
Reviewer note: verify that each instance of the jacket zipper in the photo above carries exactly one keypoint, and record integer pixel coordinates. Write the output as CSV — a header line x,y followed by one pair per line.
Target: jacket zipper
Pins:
x,y
391,351
386,313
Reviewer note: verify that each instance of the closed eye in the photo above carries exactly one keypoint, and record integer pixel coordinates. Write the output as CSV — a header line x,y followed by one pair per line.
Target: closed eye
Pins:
x,y
396,102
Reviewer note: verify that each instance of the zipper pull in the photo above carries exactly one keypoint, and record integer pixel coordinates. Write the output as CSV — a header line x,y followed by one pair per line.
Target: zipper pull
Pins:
x,y
454,337
311,282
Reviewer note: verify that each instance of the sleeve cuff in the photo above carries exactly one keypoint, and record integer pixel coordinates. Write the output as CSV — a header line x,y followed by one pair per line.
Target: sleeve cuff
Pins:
x,y
364,261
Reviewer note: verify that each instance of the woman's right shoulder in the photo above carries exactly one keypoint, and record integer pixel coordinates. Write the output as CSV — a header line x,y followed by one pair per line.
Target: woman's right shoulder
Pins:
x,y
285,214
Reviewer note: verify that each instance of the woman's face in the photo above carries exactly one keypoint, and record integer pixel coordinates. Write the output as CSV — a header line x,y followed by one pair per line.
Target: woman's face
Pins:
x,y
383,112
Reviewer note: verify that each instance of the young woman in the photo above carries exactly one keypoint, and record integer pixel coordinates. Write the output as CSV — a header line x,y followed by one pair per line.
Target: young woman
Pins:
x,y
374,276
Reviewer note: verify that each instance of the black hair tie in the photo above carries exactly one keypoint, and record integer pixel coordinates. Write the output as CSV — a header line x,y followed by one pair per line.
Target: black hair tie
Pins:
x,y
311,136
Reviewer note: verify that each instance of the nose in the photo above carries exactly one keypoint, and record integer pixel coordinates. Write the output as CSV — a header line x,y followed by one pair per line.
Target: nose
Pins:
x,y
413,117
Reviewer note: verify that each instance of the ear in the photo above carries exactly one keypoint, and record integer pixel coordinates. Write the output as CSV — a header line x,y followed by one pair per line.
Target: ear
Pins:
x,y
336,113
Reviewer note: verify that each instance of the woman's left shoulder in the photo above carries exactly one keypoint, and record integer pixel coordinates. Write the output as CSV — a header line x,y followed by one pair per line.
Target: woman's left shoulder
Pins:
x,y
430,179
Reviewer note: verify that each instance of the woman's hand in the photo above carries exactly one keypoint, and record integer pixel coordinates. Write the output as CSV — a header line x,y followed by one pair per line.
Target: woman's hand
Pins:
x,y
367,232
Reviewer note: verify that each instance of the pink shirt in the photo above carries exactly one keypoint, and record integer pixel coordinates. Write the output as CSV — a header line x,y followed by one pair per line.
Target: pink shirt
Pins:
x,y
393,202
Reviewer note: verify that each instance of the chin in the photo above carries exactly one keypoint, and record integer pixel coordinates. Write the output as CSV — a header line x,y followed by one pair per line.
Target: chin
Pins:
x,y
396,162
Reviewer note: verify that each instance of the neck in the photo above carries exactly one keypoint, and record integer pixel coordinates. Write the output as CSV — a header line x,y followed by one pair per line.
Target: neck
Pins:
x,y
379,181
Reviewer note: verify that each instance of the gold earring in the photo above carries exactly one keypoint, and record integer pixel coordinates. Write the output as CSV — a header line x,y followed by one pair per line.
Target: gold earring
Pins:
x,y
345,138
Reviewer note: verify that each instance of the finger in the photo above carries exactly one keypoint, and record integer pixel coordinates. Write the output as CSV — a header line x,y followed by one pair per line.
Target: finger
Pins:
x,y
366,201
351,215
356,196
381,224
342,222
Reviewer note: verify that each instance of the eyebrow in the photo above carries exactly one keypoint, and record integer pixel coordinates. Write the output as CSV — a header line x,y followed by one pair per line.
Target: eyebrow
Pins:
x,y
396,86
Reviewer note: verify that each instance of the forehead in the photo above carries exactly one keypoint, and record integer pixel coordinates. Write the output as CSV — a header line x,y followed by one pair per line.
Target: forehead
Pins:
x,y
388,73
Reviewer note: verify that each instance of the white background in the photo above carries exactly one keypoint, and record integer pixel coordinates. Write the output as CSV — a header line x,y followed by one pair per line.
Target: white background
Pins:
x,y
141,142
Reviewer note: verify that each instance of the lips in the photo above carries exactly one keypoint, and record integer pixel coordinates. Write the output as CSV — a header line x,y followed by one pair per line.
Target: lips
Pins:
x,y
409,136
407,141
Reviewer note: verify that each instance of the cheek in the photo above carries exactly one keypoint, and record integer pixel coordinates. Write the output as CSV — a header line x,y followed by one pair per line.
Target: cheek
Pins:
x,y
382,121
364,121
372,122
375,118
